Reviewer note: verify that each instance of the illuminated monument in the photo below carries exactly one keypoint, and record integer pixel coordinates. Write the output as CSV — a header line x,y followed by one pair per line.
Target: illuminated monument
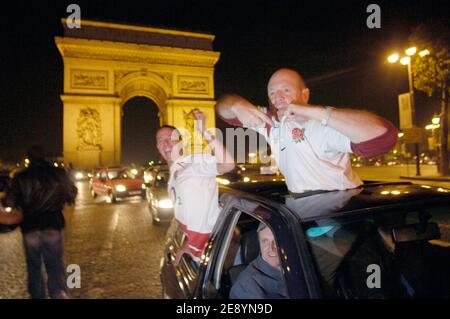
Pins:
x,y
106,64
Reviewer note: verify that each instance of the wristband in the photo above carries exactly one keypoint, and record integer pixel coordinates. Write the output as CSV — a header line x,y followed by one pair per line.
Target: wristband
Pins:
x,y
328,111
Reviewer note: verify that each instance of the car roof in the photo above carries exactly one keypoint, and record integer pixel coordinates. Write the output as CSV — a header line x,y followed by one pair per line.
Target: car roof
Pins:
x,y
372,196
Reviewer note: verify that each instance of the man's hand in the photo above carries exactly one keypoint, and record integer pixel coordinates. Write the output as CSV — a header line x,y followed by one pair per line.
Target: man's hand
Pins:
x,y
294,112
200,120
249,115
183,250
235,107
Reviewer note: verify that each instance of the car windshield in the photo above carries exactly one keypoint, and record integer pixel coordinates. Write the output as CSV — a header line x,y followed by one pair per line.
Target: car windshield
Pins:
x,y
122,174
390,254
162,178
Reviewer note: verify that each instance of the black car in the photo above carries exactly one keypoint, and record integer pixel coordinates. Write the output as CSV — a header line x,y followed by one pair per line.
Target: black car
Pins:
x,y
5,183
381,240
159,202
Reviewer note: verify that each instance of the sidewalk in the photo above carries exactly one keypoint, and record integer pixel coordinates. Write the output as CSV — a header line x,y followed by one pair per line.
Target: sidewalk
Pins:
x,y
435,178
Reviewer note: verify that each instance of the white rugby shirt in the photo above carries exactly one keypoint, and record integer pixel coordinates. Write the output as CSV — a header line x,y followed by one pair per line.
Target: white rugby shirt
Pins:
x,y
311,156
194,191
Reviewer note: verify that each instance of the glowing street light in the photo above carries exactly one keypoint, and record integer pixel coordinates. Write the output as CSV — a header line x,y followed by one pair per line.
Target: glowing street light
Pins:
x,y
436,120
393,58
411,51
405,60
423,53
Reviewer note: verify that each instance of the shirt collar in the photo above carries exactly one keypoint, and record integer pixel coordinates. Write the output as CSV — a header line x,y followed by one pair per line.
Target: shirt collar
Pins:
x,y
267,269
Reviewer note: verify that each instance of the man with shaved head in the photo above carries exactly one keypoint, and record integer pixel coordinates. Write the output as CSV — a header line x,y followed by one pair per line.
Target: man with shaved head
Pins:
x,y
311,143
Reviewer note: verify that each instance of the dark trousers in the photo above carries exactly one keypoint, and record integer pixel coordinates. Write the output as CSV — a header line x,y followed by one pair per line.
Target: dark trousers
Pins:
x,y
47,246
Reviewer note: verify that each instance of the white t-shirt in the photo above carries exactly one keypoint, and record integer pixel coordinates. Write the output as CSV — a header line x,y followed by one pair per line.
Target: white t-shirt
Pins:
x,y
311,156
195,194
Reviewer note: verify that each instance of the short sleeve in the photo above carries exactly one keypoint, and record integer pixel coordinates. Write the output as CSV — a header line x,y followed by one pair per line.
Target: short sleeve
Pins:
x,y
330,139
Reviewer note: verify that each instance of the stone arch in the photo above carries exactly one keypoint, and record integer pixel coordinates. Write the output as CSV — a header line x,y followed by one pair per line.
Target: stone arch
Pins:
x,y
149,85
107,64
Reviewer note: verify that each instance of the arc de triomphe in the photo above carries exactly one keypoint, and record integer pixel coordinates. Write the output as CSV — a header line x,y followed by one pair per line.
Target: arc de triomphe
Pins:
x,y
106,64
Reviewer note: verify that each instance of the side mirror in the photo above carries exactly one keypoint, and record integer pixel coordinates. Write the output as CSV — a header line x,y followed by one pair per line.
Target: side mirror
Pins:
x,y
416,232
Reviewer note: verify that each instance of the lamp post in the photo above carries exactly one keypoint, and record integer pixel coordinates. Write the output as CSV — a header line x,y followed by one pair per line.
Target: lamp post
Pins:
x,y
406,60
436,124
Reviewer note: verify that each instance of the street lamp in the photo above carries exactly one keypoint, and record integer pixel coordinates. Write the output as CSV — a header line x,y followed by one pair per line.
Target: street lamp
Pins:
x,y
406,60
436,120
436,124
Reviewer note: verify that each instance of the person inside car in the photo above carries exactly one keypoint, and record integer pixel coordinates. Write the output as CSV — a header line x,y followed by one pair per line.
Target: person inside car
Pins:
x,y
310,143
262,278
192,184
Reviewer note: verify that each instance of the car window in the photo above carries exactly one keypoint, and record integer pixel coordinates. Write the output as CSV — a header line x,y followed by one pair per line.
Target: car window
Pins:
x,y
383,255
4,183
237,263
121,174
149,176
162,178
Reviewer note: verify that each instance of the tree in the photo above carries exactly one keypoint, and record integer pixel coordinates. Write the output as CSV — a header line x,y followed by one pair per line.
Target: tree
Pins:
x,y
431,75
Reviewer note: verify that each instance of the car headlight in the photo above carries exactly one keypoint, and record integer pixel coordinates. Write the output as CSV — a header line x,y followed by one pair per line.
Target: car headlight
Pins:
x,y
165,203
246,179
79,175
121,188
223,181
143,186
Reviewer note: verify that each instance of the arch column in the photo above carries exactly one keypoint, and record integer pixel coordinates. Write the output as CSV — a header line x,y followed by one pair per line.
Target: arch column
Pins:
x,y
106,64
92,130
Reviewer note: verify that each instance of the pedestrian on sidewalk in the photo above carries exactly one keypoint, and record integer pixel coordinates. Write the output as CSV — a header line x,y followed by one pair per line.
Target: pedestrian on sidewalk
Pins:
x,y
37,197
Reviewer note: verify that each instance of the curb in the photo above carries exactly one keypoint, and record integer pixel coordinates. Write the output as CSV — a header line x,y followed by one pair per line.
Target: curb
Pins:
x,y
437,179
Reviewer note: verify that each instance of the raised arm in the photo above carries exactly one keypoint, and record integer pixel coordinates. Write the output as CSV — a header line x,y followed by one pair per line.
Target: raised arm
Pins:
x,y
237,111
225,161
370,134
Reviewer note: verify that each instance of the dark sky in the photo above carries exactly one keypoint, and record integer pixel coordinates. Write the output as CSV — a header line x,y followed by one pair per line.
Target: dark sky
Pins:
x,y
342,60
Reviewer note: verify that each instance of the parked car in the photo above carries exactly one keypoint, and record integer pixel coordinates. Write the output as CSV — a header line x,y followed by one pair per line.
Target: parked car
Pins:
x,y
234,176
80,175
5,183
116,183
269,170
329,243
150,173
159,202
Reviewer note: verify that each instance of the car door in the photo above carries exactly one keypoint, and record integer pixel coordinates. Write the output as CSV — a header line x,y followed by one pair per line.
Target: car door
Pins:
x,y
102,185
178,281
96,182
215,281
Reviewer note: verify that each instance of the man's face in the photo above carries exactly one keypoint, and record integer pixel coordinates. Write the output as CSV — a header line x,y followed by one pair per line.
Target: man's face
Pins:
x,y
285,86
268,247
166,142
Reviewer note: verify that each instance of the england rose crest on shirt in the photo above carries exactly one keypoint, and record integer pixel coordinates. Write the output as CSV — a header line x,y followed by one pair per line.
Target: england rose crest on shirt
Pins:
x,y
298,135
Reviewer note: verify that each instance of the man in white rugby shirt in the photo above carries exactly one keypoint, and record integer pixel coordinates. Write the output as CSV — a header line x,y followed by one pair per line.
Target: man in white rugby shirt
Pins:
x,y
192,184
311,143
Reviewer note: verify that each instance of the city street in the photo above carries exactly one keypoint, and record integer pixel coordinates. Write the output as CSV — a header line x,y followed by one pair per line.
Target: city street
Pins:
x,y
116,246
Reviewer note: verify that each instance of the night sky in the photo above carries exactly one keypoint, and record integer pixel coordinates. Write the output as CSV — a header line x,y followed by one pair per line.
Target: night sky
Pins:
x,y
342,60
